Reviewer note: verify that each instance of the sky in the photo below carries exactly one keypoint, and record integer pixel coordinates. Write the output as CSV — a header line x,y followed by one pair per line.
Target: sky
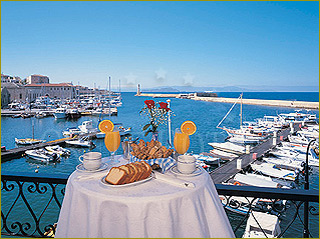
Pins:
x,y
163,43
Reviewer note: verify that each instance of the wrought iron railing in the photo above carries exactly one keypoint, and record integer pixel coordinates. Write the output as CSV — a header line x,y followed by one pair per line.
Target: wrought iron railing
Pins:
x,y
41,196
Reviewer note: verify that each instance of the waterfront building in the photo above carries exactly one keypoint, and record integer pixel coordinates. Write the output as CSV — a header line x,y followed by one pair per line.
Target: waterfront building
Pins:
x,y
5,97
12,79
16,91
37,79
56,90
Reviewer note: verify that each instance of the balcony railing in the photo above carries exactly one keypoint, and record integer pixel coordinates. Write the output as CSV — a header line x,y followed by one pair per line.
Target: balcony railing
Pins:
x,y
31,205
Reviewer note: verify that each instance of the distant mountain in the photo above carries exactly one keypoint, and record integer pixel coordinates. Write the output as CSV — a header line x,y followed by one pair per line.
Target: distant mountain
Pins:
x,y
236,88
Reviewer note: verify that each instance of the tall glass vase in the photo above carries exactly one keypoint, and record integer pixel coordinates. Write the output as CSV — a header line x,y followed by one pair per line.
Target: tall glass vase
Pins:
x,y
155,135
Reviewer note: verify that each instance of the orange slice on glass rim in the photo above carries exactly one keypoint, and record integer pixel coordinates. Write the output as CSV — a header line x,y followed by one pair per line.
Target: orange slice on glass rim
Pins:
x,y
106,126
188,127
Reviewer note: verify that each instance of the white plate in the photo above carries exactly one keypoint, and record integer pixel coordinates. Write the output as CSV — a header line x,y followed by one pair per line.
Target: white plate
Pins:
x,y
82,169
196,172
103,181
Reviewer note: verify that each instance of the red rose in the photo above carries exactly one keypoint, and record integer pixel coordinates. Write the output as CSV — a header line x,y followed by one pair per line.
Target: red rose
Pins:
x,y
163,105
149,103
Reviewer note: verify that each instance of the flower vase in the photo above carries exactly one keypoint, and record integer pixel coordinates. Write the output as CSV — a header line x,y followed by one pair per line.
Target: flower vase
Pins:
x,y
155,135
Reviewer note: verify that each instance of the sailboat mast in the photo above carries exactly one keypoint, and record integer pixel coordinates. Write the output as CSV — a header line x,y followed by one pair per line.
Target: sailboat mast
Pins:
x,y
241,110
32,129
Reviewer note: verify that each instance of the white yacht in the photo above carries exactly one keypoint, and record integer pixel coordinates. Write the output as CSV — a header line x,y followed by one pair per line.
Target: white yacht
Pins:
x,y
60,113
43,155
274,171
262,225
82,142
58,150
229,147
87,127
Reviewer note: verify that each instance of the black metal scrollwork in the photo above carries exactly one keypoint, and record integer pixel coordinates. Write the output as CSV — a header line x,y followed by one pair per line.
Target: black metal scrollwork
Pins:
x,y
34,227
243,207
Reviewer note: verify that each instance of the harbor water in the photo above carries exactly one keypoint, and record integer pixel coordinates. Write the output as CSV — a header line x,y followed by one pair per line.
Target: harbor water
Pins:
x,y
206,116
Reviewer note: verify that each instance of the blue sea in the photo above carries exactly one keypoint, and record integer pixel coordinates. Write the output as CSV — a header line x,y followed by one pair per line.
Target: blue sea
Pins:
x,y
206,116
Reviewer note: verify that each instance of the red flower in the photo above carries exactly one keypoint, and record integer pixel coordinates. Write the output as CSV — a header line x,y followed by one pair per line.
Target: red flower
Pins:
x,y
164,105
149,103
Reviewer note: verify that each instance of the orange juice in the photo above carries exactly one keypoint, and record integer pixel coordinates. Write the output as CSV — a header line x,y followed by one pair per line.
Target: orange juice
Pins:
x,y
112,140
181,142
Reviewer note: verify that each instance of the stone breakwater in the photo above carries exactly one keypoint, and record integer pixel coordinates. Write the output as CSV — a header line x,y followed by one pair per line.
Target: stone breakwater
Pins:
x,y
277,103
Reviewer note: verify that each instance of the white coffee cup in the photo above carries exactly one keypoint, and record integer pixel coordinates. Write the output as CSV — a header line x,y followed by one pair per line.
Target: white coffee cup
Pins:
x,y
186,164
91,161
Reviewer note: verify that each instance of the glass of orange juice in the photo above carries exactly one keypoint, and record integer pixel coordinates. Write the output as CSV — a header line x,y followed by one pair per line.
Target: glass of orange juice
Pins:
x,y
181,142
112,142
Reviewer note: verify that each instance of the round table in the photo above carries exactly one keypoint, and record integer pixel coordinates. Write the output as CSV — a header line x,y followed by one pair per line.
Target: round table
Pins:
x,y
151,209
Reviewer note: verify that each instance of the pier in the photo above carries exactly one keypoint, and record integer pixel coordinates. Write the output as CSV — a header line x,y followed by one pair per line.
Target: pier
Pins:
x,y
274,103
19,151
229,169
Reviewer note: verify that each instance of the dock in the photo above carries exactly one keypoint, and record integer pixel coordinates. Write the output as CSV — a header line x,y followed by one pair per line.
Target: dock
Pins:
x,y
229,169
19,151
275,103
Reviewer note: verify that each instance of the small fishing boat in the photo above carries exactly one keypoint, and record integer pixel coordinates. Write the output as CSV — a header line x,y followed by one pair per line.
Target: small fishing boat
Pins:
x,y
26,115
223,155
298,139
28,141
40,115
242,205
73,113
242,139
251,179
87,127
229,147
16,116
262,225
71,132
60,113
285,163
82,142
43,155
58,150
207,159
274,171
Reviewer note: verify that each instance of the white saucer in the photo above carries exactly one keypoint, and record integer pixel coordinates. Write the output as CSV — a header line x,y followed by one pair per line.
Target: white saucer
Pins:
x,y
196,172
82,169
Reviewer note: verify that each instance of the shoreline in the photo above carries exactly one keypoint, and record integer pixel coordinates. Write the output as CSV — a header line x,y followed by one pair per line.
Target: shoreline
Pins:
x,y
276,103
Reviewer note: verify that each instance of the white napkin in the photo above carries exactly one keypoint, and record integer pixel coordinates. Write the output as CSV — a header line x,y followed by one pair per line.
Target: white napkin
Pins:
x,y
173,181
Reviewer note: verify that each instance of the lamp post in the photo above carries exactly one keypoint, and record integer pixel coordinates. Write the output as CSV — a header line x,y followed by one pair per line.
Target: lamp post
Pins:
x,y
306,187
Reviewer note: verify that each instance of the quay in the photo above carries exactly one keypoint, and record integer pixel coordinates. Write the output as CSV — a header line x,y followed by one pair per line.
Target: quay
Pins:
x,y
275,103
19,151
229,169
10,113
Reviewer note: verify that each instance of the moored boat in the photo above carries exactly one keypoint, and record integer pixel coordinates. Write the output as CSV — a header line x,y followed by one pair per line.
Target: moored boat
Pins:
x,y
82,142
28,141
274,171
262,225
58,150
42,155
60,113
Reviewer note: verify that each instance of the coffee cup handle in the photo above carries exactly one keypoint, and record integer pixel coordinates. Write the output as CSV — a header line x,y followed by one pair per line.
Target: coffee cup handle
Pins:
x,y
80,159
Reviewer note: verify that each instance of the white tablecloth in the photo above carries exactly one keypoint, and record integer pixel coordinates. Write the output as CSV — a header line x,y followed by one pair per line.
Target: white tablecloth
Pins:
x,y
151,209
